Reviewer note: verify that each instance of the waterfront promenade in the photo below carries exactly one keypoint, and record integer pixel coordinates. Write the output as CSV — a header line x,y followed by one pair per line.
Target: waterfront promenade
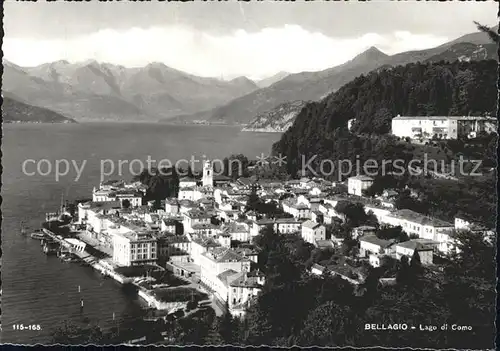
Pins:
x,y
100,258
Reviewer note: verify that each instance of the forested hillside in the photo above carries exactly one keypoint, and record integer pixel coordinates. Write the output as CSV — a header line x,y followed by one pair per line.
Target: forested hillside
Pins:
x,y
14,111
458,88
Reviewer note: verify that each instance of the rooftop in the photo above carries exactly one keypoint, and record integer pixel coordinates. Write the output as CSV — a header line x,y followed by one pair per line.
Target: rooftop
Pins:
x,y
444,117
324,243
223,254
206,242
225,277
105,205
243,280
310,224
419,218
187,179
201,226
372,239
414,245
362,178
198,214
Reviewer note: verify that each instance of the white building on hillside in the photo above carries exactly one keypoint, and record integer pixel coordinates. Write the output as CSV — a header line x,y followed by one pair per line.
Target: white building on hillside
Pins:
x,y
442,127
356,185
411,222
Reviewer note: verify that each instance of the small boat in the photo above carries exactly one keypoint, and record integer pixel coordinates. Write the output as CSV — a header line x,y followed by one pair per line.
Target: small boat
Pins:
x,y
37,235
23,230
50,247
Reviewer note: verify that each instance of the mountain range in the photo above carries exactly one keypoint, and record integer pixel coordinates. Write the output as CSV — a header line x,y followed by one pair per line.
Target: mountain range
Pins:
x,y
313,86
93,91
100,91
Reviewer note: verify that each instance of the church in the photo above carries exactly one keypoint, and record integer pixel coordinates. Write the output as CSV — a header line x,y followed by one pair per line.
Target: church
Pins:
x,y
194,190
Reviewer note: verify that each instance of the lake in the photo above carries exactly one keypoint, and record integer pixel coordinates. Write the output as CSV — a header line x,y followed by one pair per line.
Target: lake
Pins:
x,y
42,290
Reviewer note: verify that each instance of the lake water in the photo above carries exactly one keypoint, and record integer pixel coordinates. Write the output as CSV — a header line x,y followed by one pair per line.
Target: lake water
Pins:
x,y
42,290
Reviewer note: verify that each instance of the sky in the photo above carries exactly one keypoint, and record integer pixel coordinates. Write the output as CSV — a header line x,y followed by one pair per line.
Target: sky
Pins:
x,y
230,39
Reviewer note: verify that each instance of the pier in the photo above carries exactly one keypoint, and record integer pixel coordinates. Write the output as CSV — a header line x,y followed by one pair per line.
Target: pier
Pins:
x,y
86,252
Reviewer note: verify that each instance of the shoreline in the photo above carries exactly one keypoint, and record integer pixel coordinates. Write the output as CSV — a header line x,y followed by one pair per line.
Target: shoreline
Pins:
x,y
108,271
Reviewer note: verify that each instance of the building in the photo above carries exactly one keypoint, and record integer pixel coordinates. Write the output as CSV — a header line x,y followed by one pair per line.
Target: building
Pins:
x,y
408,249
192,193
362,231
418,224
313,232
114,190
169,225
208,177
370,244
239,231
217,264
279,225
243,288
350,123
442,127
358,184
186,182
200,245
194,218
298,208
170,245
131,249
172,206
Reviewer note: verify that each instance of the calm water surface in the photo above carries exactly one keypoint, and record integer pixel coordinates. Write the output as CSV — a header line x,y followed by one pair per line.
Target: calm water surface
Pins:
x,y
42,290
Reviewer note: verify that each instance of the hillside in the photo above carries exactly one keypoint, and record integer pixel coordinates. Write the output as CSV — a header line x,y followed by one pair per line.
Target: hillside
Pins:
x,y
264,83
314,86
457,88
14,111
100,91
467,52
277,120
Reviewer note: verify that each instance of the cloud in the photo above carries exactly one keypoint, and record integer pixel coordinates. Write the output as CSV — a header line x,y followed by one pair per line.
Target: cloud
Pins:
x,y
258,54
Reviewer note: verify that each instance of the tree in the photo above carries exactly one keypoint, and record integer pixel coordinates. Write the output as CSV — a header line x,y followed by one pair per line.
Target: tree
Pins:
x,y
330,324
494,36
354,212
74,333
228,327
236,166
213,336
389,232
253,201
126,203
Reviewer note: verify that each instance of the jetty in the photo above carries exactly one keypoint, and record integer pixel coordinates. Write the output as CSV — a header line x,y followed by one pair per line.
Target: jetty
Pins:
x,y
87,254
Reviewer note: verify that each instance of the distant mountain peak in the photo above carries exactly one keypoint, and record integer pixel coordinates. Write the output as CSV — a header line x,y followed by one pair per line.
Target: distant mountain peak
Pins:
x,y
241,79
59,63
90,62
372,54
156,64
373,50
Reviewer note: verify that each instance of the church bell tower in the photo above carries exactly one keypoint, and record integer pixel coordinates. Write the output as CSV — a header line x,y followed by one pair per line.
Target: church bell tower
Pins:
x,y
208,179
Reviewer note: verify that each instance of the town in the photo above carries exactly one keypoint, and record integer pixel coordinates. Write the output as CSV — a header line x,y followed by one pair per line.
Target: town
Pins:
x,y
207,233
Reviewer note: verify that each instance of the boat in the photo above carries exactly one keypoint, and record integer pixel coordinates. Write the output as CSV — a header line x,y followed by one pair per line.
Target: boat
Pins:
x,y
50,247
68,257
38,235
23,229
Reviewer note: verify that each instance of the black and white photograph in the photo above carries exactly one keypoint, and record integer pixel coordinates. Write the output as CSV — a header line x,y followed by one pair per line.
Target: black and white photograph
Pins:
x,y
249,173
